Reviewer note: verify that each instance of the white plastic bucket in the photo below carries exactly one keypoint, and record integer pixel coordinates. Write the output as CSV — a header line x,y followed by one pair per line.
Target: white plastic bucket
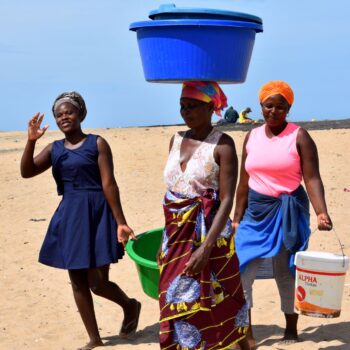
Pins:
x,y
319,283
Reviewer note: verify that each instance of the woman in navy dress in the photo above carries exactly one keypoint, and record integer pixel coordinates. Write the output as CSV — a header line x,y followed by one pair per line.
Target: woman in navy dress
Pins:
x,y
88,229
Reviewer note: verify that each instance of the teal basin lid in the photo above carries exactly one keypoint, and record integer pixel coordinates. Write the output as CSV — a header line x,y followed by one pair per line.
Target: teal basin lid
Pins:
x,y
170,11
135,26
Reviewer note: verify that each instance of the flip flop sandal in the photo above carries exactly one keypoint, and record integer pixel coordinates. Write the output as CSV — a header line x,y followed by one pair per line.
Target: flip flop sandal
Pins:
x,y
129,329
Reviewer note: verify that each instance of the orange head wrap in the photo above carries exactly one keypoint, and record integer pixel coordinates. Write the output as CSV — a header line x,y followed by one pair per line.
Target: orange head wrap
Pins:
x,y
276,87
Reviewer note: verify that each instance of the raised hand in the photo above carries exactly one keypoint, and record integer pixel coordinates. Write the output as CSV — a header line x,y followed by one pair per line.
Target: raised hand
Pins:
x,y
34,127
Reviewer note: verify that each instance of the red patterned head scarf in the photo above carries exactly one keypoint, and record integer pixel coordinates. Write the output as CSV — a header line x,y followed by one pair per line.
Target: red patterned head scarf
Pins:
x,y
276,87
206,91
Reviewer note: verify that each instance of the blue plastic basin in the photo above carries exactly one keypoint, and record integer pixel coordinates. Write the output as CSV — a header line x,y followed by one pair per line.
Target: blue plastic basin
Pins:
x,y
195,49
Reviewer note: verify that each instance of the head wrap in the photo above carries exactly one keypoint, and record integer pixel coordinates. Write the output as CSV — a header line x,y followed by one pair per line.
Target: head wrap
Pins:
x,y
206,91
276,87
74,98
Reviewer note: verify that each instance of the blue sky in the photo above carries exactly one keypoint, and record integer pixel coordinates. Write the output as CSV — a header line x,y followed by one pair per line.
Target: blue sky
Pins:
x,y
47,47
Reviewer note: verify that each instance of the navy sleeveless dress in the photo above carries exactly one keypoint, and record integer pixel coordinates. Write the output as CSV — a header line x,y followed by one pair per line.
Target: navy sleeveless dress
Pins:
x,y
82,233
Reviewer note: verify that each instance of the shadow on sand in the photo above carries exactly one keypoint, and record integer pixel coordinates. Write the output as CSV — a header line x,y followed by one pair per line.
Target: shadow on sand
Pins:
x,y
148,335
317,334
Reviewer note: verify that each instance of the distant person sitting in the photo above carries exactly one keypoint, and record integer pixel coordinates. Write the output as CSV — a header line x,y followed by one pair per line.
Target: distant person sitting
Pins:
x,y
230,116
243,116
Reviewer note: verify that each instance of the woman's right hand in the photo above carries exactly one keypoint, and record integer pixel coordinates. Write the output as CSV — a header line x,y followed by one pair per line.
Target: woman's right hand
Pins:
x,y
124,232
235,226
34,127
324,222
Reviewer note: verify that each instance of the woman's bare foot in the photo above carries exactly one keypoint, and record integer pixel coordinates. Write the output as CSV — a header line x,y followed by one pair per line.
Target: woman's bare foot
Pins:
x,y
251,342
289,338
92,344
250,336
291,332
246,344
131,319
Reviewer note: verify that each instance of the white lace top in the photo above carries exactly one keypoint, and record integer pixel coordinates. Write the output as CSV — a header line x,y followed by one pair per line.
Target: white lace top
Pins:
x,y
201,173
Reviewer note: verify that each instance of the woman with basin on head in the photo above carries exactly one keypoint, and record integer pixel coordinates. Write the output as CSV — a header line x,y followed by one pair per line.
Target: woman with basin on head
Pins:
x,y
200,294
272,208
88,230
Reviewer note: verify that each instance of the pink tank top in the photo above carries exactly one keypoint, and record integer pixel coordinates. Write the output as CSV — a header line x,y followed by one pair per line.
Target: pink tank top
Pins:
x,y
273,164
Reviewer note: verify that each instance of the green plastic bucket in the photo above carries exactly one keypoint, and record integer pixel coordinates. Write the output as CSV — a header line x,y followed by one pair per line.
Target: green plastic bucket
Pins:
x,y
143,252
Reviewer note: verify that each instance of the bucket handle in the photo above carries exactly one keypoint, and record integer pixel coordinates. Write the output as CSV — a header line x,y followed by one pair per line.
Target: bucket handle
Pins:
x,y
341,245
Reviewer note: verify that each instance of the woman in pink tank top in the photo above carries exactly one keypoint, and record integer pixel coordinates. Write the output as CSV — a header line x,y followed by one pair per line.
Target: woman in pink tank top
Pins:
x,y
272,211
201,299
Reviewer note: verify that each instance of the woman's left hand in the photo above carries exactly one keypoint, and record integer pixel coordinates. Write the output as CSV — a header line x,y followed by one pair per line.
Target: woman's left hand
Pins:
x,y
197,261
124,232
324,222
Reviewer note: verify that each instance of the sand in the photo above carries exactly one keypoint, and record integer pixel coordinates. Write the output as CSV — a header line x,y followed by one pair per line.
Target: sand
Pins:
x,y
37,306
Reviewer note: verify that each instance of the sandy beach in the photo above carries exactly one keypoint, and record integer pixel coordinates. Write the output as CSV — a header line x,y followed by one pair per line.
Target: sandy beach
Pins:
x,y
37,307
